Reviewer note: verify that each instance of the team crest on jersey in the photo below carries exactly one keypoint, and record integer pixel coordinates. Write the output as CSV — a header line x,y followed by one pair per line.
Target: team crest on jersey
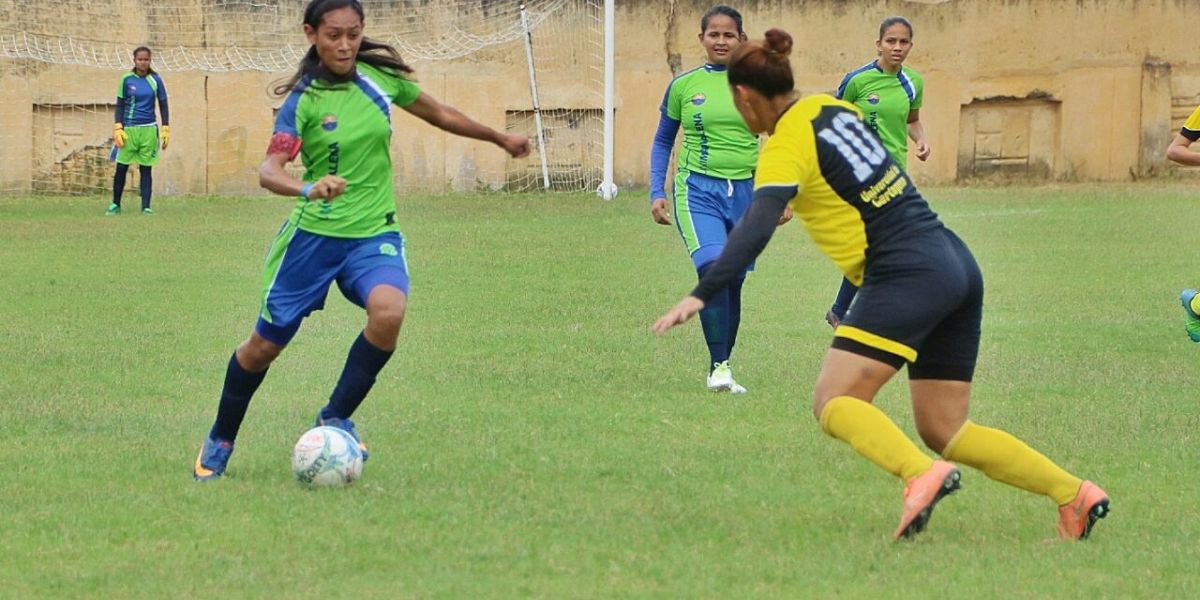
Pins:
x,y
698,99
329,122
873,98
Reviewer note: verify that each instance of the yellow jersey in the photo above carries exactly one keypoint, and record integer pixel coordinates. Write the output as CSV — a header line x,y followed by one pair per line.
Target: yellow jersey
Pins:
x,y
852,197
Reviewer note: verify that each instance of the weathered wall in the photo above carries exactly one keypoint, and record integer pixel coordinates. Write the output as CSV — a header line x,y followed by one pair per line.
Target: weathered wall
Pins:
x,y
1083,89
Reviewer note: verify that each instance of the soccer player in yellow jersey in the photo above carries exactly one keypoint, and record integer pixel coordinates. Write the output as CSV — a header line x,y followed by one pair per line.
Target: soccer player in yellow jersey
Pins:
x,y
1180,151
920,300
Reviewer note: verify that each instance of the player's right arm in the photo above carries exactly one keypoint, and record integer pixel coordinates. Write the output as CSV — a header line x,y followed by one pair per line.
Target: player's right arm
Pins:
x,y
660,156
1180,149
273,176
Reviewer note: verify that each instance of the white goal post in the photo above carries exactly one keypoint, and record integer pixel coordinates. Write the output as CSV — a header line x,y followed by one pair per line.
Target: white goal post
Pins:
x,y
539,67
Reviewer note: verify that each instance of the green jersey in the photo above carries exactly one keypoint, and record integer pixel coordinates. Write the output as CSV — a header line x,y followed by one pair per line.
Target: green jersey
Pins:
x,y
345,129
716,141
885,99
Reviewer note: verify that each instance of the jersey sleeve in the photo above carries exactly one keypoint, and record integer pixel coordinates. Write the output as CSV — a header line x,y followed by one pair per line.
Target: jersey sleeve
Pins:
x,y
918,92
1191,127
671,106
405,92
289,122
163,106
848,89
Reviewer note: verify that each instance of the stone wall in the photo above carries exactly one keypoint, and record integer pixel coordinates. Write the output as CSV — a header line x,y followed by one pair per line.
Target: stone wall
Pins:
x,y
1080,89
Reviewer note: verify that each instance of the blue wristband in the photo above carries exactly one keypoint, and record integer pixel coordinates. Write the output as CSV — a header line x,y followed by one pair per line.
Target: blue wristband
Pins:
x,y
305,190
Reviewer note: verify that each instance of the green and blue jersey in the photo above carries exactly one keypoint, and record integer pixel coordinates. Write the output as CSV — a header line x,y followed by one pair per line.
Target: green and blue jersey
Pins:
x,y
136,96
345,129
716,141
885,100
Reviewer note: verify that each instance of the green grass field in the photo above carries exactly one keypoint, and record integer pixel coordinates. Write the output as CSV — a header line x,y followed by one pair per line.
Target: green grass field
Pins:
x,y
531,438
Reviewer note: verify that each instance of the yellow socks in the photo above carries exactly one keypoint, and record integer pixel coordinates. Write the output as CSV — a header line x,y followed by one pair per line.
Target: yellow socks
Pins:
x,y
1009,460
1196,304
873,435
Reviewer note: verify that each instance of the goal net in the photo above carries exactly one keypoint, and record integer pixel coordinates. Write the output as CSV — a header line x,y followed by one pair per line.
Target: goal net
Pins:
x,y
511,65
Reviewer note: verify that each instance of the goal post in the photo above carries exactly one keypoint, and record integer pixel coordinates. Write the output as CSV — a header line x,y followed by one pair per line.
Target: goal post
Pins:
x,y
536,67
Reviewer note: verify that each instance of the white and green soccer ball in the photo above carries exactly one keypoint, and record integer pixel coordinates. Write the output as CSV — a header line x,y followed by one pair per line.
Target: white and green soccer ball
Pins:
x,y
326,457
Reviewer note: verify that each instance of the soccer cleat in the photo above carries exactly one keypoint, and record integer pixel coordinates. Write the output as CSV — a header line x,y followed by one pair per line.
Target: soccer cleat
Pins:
x,y
214,455
1076,518
923,493
147,211
345,425
113,209
721,379
1193,320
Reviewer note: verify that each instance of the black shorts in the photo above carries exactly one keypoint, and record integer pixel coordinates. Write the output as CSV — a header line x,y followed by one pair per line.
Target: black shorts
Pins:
x,y
921,302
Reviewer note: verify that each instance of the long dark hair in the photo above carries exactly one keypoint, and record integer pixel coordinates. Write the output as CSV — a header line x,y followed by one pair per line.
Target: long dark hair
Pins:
x,y
135,53
371,52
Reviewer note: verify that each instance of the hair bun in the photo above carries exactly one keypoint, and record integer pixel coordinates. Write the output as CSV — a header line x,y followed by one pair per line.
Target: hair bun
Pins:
x,y
778,41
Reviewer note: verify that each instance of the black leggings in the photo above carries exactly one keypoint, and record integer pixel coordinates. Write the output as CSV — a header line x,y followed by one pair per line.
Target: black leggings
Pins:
x,y
147,183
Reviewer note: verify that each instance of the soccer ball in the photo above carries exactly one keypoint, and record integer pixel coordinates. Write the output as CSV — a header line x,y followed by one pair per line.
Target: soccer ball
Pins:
x,y
326,457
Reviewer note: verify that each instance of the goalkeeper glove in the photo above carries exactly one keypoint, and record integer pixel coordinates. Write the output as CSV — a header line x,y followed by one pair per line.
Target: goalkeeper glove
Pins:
x,y
119,135
166,136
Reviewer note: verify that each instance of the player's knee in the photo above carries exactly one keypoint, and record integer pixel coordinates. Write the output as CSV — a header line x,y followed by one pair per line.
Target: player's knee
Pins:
x,y
257,353
386,316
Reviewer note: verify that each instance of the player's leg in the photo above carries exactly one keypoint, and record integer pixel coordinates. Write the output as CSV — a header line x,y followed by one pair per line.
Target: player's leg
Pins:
x,y
1190,299
940,382
376,278
700,219
740,198
114,208
296,278
146,185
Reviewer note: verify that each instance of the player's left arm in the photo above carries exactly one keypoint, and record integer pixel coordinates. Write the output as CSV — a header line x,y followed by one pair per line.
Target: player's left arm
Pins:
x,y
916,133
448,118
165,109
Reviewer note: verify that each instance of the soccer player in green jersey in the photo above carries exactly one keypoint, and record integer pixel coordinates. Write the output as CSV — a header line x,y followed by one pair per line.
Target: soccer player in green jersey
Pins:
x,y
890,96
714,179
337,116
136,135
1180,151
921,298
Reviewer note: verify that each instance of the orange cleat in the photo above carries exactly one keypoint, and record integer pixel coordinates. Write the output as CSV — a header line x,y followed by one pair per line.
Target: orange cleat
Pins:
x,y
922,493
1076,518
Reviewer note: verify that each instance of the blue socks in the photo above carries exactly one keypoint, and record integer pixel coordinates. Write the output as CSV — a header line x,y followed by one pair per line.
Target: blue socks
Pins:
x,y
240,386
845,296
363,364
720,319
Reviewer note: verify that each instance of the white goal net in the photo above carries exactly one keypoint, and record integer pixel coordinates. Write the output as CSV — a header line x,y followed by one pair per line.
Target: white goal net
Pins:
x,y
60,65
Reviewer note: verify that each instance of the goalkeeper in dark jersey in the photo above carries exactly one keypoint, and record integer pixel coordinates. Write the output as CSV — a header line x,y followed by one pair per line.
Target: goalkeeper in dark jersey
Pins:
x,y
136,135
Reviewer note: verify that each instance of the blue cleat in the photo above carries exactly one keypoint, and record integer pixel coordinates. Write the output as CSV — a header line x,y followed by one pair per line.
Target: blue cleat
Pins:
x,y
345,425
214,455
1193,320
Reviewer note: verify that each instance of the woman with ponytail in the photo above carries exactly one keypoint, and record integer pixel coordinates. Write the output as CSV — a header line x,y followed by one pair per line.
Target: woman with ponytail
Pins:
x,y
338,118
920,301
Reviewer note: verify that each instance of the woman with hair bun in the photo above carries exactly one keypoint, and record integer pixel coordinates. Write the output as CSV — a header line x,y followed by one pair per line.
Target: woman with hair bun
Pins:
x,y
920,301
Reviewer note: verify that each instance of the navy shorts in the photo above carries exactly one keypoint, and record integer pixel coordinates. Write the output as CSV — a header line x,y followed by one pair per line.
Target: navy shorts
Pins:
x,y
302,265
921,303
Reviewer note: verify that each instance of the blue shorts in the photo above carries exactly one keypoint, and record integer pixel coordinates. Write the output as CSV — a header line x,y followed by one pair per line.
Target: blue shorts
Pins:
x,y
706,209
301,266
